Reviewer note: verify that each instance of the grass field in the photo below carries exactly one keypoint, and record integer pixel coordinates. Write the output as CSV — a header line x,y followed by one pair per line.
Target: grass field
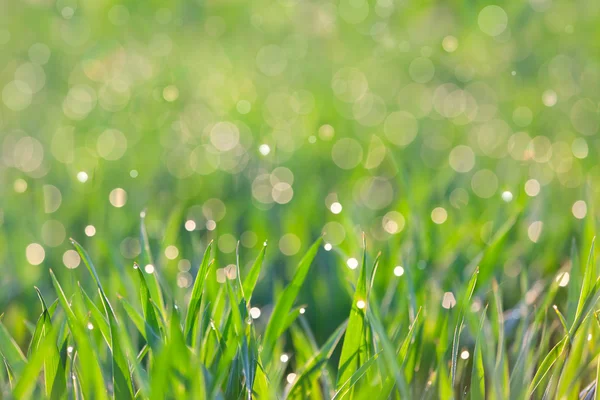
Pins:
x,y
299,199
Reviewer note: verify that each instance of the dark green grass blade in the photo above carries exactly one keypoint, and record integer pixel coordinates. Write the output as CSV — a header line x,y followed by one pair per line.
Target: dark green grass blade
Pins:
x,y
314,365
196,297
285,302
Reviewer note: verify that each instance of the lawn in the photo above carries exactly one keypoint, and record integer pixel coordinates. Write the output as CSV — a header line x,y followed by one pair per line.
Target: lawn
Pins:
x,y
299,199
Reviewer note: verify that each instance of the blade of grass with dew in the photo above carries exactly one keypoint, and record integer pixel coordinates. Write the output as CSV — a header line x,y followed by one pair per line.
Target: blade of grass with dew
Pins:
x,y
196,297
285,302
309,371
92,382
355,348
252,278
150,315
97,316
123,386
53,365
154,282
460,321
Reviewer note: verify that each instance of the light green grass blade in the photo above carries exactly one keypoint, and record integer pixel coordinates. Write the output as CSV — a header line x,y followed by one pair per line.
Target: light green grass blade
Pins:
x,y
252,278
355,348
547,364
284,304
11,351
588,280
349,384
123,386
90,379
460,321
478,371
196,297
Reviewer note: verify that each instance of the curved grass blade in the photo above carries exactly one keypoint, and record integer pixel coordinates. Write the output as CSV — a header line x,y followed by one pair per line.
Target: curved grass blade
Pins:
x,y
314,365
286,301
355,349
348,385
547,364
92,382
196,297
11,351
252,278
460,322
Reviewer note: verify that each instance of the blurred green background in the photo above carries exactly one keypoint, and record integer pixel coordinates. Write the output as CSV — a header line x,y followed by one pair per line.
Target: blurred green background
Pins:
x,y
426,125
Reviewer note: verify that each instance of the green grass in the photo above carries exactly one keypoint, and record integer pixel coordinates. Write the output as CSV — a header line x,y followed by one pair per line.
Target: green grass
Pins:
x,y
143,343
295,198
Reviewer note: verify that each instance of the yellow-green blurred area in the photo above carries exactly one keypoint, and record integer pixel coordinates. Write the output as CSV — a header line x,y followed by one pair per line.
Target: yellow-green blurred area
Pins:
x,y
426,125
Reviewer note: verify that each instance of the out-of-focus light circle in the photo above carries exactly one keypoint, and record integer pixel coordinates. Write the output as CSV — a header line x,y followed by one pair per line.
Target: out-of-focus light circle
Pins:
x,y
507,196
352,263
243,106
336,208
579,209
400,128
532,187
462,158
35,254
82,176
439,215
347,153
535,230
450,43
255,312
190,225
393,222
171,252
448,300
289,244
90,230
264,149
225,136
71,259
484,183
118,197
328,247
492,20
20,185
171,93
398,271
549,98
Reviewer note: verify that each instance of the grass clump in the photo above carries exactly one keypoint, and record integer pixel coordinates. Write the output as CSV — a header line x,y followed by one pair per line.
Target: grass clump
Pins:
x,y
143,343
